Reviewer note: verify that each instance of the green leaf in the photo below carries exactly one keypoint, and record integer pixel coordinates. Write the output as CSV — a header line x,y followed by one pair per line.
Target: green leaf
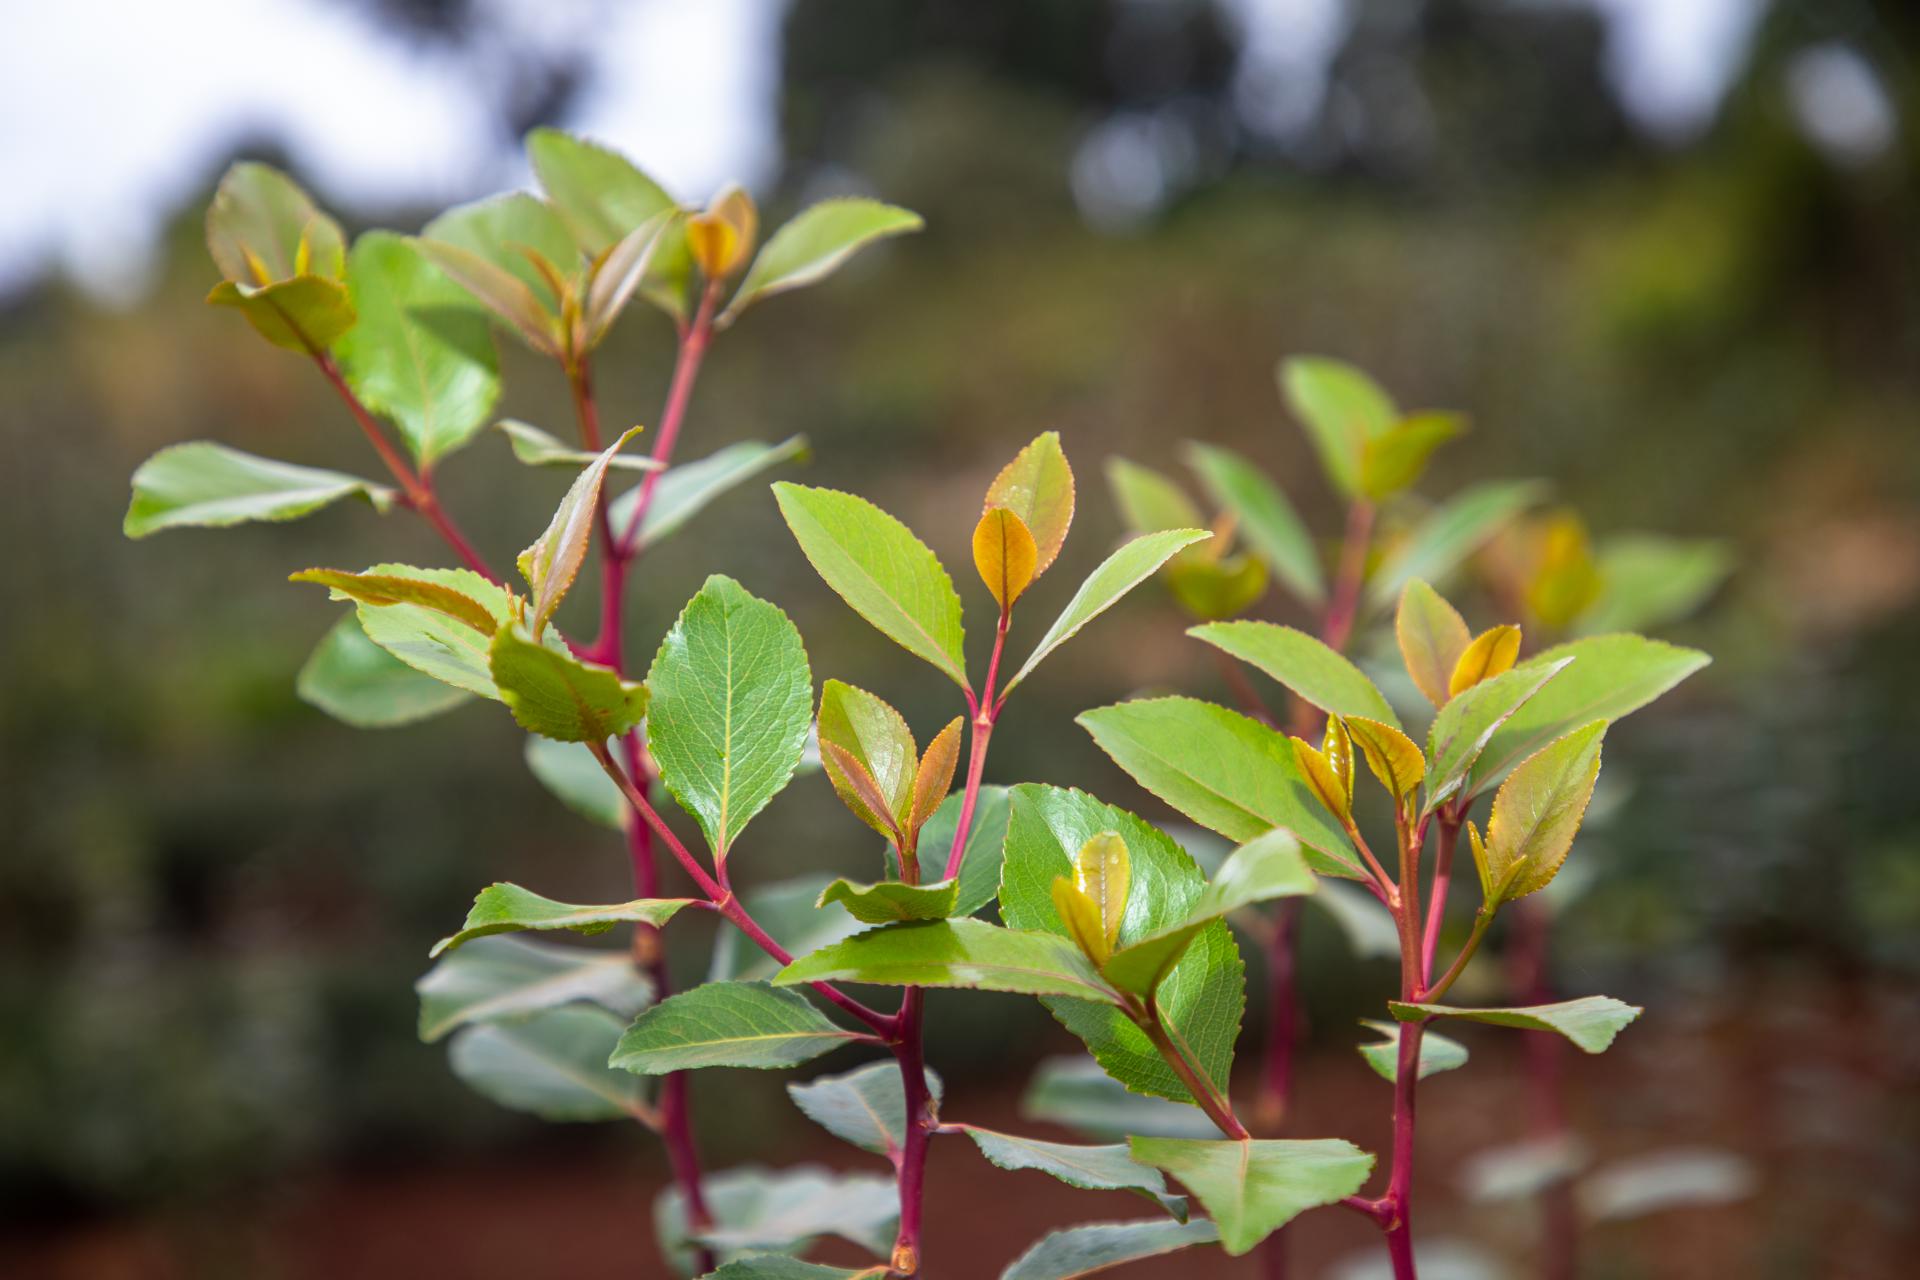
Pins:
x,y
1201,999
1228,773
599,193
207,485
1467,723
1268,866
1437,1053
732,699
1108,1168
420,354
258,222
355,681
556,695
877,566
553,561
1081,1251
1649,581
786,1210
1037,486
1432,636
1150,502
1449,534
1391,754
1076,1093
623,271
1251,1188
501,292
570,772
537,448
785,910
1591,1022
727,1024
1536,814
1267,519
774,1266
552,1063
505,908
431,642
494,979
875,740
954,953
1118,574
814,244
1610,677
387,589
1308,666
980,866
891,901
305,314
682,492
1213,589
1393,461
1342,409
501,230
866,1106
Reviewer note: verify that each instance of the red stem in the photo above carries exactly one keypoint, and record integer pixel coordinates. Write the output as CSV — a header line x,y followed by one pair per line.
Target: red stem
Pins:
x,y
686,370
910,1165
985,712
1345,604
1397,1218
1442,877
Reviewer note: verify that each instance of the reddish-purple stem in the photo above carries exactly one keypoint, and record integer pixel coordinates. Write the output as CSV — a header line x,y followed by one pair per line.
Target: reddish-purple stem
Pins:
x,y
985,712
1442,877
910,1165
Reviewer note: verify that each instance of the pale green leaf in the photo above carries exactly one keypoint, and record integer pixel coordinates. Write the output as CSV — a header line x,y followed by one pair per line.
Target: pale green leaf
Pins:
x,y
1082,1251
1227,772
876,740
420,354
500,291
682,492
1467,724
1437,1053
556,695
877,566
1150,502
260,216
727,1024
1393,461
1107,1168
1591,1022
493,979
1432,636
1037,486
431,642
617,276
208,485
507,908
570,772
501,230
756,1209
537,448
1449,534
1118,574
552,1063
553,561
866,1106
1213,589
1308,666
1537,812
1342,409
814,244
954,953
732,699
891,901
599,193
305,314
1648,581
1253,1188
1076,1093
775,1266
1267,519
357,682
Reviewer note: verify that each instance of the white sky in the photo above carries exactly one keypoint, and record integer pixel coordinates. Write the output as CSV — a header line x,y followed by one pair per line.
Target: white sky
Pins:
x,y
114,113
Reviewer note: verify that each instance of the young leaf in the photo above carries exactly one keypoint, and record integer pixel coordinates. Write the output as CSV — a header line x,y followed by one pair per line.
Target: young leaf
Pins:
x,y
726,1024
866,1106
495,979
1392,462
1466,724
1251,1188
1449,534
537,448
384,589
1537,812
934,775
814,244
431,642
1108,1168
877,566
1342,409
420,354
501,292
1201,1000
954,953
553,561
1391,754
553,1064
305,314
570,772
511,233
1303,664
1266,518
1566,578
1226,772
1037,486
1649,581
261,227
1149,501
1080,915
891,901
1074,1092
205,485
684,491
1005,555
861,736
1081,1251
1432,636
357,682
1266,867
1591,1022
556,695
507,908
1213,589
1437,1053
1610,677
1118,574
1324,777
616,276
732,698
1102,872
1490,653
600,194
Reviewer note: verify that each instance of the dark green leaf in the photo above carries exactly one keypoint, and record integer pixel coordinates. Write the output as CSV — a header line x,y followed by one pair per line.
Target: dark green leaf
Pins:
x,y
494,979
865,1106
355,681
1591,1022
727,1024
1254,1188
1108,1168
1081,1251
552,1063
208,485
505,908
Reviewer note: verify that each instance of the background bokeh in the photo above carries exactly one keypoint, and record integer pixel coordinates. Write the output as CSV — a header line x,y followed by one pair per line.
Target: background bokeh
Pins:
x,y
1665,254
